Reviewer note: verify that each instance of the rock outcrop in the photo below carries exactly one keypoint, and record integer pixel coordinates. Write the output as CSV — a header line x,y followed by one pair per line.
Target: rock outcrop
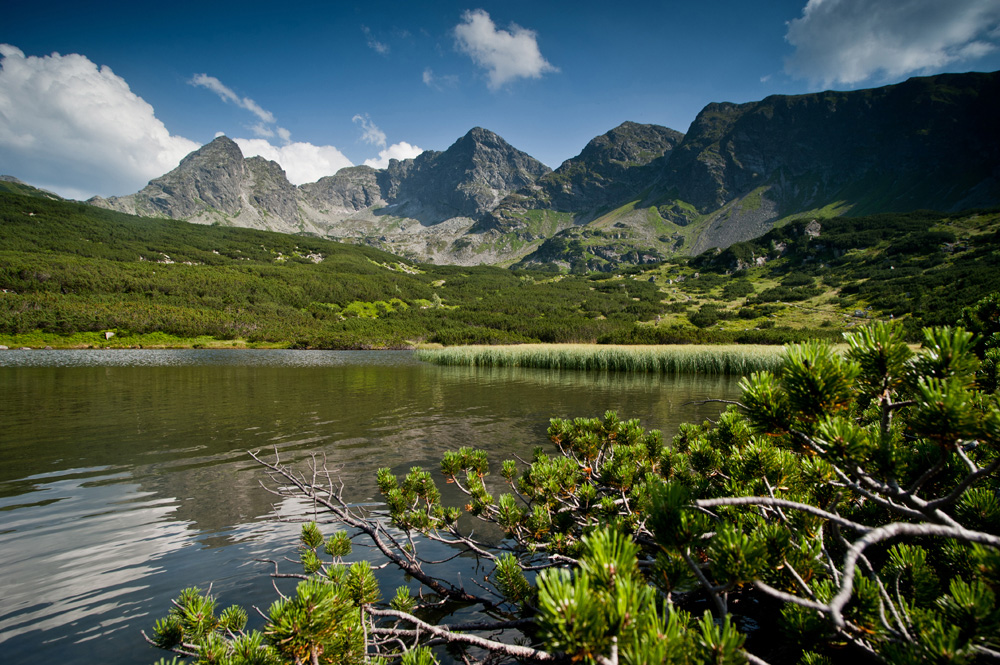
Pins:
x,y
635,194
611,170
929,142
216,184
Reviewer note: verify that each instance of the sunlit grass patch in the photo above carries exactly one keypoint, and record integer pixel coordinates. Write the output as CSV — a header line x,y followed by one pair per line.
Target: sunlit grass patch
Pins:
x,y
736,359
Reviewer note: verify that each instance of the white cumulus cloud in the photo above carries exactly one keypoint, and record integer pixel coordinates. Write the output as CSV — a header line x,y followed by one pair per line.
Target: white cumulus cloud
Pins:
x,y
506,55
850,41
77,129
303,162
401,150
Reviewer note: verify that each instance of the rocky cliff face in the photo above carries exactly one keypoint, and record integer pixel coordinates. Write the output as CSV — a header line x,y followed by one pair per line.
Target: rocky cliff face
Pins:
x,y
926,143
215,184
350,189
466,180
611,170
635,194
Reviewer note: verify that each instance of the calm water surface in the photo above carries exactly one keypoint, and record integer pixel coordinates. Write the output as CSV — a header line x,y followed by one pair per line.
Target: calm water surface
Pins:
x,y
124,475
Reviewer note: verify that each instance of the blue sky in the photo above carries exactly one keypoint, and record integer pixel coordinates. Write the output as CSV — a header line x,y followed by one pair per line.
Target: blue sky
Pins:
x,y
98,98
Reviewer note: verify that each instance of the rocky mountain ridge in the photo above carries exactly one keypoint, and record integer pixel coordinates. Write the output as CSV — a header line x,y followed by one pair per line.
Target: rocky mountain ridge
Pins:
x,y
635,194
929,142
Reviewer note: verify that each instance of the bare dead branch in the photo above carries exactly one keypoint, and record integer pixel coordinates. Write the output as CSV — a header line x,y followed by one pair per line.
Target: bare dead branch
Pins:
x,y
781,503
445,632
887,532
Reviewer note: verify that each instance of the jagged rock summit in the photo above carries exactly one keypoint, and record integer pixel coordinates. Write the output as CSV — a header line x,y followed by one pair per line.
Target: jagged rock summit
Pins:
x,y
611,170
216,184
633,195
466,180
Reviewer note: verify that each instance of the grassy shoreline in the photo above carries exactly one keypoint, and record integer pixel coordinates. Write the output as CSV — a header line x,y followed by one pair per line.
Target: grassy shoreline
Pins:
x,y
97,340
733,359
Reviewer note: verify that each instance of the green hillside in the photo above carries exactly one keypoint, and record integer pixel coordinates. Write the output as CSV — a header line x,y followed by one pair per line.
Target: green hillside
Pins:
x,y
68,268
921,267
70,273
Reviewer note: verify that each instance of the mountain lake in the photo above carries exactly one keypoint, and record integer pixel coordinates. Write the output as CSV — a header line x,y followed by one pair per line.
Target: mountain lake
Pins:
x,y
124,474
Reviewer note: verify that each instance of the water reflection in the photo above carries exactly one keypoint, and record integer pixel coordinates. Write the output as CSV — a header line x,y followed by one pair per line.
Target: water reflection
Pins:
x,y
64,557
124,475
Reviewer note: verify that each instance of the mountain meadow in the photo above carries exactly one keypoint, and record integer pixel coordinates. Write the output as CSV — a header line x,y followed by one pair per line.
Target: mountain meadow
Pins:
x,y
74,275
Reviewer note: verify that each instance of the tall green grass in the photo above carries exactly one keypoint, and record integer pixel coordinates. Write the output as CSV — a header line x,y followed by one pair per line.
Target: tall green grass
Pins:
x,y
666,359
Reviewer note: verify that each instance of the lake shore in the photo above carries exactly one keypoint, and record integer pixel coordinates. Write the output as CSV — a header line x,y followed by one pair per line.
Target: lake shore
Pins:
x,y
99,341
729,359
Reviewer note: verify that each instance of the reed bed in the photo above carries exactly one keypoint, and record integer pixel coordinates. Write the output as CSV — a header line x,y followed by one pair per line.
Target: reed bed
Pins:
x,y
734,359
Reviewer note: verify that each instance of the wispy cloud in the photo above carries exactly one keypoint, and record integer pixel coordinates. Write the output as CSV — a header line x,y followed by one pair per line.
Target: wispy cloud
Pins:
x,y
370,131
850,41
432,80
379,47
78,129
506,55
261,129
227,95
303,162
371,134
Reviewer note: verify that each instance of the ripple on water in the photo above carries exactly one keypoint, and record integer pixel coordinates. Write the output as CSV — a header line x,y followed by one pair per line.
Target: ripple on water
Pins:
x,y
124,476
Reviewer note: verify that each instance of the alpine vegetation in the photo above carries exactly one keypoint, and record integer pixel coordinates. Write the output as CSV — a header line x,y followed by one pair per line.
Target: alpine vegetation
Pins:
x,y
846,506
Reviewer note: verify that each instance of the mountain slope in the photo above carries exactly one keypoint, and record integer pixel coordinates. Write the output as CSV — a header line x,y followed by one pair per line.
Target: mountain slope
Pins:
x,y
638,193
9,183
70,268
929,142
216,184
611,170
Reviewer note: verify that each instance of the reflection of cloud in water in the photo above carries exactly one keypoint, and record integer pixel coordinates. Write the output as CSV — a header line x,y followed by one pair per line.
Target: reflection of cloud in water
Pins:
x,y
78,543
124,476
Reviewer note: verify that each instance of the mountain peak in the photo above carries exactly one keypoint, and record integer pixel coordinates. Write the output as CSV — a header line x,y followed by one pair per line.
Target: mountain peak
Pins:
x,y
630,144
470,177
478,138
607,173
221,147
481,134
